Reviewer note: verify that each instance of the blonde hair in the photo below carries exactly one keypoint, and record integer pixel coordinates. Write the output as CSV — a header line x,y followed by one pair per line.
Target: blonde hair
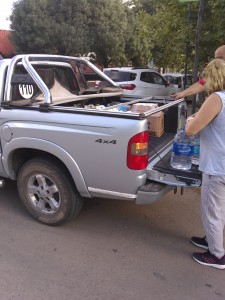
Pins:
x,y
214,76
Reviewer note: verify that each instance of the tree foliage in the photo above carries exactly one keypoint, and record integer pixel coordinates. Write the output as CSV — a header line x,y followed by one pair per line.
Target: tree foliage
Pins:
x,y
139,39
118,32
213,29
170,31
29,25
70,21
107,30
56,26
149,6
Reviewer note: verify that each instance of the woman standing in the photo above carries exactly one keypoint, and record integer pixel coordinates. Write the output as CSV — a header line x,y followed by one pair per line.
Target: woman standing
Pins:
x,y
210,122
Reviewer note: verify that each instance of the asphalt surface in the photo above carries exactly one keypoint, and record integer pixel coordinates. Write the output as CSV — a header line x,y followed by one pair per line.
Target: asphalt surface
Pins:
x,y
112,250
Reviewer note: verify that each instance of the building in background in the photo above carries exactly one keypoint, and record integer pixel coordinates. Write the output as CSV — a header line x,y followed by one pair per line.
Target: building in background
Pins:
x,y
6,47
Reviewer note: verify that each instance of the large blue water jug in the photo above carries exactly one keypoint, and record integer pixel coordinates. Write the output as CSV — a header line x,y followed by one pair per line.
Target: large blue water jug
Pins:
x,y
182,153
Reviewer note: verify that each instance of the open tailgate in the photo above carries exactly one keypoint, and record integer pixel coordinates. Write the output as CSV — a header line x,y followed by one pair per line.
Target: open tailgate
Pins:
x,y
160,170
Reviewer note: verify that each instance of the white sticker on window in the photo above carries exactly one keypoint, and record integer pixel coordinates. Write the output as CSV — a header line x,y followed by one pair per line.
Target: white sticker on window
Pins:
x,y
26,90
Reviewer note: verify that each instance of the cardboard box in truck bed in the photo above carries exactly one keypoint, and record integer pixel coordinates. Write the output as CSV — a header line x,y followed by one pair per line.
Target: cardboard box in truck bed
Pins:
x,y
156,124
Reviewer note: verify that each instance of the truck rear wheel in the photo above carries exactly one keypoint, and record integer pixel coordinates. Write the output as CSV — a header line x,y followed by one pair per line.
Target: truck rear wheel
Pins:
x,y
47,192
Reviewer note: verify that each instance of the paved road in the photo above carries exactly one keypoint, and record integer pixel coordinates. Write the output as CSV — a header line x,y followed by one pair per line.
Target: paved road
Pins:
x,y
113,250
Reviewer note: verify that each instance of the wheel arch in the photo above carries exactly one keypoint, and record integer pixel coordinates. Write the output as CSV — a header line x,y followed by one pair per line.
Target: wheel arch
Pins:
x,y
19,151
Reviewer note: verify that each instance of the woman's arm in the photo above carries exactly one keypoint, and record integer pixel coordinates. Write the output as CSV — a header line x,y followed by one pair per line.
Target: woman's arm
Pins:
x,y
209,110
192,90
191,117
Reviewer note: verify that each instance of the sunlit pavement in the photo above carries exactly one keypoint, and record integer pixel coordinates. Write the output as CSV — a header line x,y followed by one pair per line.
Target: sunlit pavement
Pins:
x,y
113,250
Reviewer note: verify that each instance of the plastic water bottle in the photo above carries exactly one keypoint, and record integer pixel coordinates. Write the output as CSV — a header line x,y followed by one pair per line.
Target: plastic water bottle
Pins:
x,y
196,152
182,115
182,153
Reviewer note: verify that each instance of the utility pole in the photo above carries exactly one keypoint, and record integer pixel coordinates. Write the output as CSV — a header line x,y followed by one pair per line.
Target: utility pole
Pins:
x,y
197,41
187,44
187,39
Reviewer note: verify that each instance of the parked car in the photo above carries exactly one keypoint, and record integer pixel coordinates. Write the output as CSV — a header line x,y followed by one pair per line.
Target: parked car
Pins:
x,y
177,79
140,81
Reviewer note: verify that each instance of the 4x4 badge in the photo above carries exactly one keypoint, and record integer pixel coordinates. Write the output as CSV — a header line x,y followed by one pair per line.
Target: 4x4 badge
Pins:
x,y
101,141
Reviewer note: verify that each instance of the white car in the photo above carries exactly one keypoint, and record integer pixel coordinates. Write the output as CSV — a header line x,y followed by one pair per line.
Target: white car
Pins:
x,y
177,79
140,81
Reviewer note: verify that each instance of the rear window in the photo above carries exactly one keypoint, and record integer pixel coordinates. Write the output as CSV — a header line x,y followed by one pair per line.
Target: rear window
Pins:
x,y
23,85
119,76
66,78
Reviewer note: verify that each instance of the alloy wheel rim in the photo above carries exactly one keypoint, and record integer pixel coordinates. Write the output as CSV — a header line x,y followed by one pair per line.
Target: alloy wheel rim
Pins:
x,y
43,194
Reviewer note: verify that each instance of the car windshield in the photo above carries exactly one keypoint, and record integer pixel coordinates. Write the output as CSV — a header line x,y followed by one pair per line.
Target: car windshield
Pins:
x,y
119,76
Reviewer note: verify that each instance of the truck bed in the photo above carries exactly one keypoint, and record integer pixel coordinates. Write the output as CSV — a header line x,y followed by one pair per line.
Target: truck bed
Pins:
x,y
156,144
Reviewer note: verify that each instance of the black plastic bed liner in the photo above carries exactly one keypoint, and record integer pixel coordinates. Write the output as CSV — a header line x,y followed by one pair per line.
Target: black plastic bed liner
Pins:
x,y
164,166
156,144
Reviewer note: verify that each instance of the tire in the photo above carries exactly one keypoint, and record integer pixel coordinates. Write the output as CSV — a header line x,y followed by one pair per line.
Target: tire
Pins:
x,y
47,191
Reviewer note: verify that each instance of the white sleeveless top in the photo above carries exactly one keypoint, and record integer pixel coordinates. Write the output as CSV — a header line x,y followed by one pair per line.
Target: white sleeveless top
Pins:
x,y
212,144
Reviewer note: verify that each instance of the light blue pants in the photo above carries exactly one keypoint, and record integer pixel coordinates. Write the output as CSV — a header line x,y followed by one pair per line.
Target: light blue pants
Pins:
x,y
213,212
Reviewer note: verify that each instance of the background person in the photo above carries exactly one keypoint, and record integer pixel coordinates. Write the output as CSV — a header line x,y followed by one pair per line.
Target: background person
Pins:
x,y
199,86
210,122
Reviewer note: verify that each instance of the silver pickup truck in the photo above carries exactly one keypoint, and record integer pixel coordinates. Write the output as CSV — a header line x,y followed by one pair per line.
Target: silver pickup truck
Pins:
x,y
63,139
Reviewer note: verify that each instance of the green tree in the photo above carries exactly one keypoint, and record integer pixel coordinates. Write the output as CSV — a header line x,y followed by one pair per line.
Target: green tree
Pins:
x,y
169,31
29,22
70,19
118,31
149,6
213,29
170,34
139,39
50,26
107,31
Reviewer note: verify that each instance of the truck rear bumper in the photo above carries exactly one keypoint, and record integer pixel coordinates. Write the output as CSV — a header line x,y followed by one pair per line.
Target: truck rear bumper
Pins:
x,y
151,192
